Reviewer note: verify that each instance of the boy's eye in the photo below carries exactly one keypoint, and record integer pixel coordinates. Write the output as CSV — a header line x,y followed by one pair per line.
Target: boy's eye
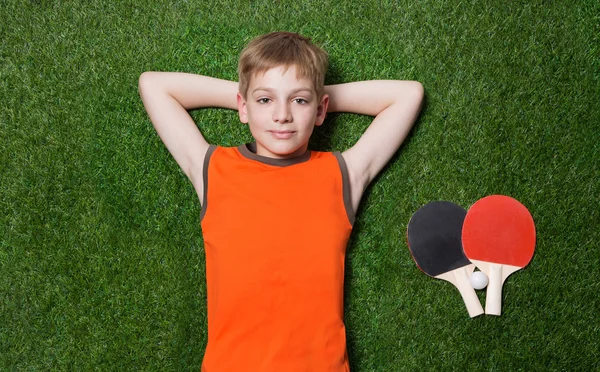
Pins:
x,y
301,101
263,100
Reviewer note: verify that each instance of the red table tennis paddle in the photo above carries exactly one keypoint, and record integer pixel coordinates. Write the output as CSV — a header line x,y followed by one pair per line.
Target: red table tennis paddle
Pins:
x,y
498,236
434,240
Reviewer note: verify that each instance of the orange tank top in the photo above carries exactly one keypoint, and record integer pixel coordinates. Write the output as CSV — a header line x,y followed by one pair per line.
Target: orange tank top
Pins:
x,y
275,234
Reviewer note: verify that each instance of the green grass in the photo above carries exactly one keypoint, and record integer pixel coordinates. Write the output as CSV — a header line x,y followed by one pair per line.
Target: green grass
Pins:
x,y
101,256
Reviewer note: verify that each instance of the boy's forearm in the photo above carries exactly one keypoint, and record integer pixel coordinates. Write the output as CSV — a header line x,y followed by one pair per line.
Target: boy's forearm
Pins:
x,y
370,97
193,91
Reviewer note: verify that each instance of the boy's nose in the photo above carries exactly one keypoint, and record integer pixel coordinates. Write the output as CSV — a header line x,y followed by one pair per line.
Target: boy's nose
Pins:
x,y
282,114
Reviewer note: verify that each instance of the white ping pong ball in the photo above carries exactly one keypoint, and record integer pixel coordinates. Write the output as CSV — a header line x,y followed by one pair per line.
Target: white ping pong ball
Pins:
x,y
479,280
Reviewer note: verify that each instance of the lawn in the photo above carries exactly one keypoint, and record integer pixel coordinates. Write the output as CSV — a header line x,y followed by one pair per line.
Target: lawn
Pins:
x,y
102,264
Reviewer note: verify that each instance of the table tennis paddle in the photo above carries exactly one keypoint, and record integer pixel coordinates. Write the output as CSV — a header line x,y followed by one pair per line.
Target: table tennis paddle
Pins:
x,y
498,236
434,240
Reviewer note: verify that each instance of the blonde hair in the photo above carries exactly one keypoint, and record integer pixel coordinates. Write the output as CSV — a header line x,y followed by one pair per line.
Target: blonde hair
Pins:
x,y
283,49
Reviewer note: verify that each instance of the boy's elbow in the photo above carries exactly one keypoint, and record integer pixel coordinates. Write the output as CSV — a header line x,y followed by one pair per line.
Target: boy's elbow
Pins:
x,y
416,94
418,91
409,91
145,81
421,94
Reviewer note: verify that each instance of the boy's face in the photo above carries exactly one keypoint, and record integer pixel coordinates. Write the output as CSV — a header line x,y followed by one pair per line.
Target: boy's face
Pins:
x,y
281,111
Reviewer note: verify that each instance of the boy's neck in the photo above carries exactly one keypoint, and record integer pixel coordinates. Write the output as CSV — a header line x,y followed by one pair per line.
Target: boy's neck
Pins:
x,y
249,151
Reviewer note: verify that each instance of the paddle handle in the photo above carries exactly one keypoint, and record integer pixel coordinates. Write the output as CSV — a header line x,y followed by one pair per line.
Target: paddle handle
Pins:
x,y
493,302
467,292
460,278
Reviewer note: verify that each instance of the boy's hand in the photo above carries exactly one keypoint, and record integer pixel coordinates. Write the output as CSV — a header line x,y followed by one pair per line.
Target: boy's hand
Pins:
x,y
395,105
167,96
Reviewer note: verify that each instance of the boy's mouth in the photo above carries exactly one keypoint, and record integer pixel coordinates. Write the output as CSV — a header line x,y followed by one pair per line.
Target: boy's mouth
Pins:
x,y
282,134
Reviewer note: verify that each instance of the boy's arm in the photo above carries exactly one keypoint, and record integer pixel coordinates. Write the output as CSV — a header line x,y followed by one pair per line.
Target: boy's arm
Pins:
x,y
167,96
395,105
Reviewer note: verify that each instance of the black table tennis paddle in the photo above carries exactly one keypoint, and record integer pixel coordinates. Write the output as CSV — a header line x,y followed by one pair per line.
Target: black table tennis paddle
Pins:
x,y
434,239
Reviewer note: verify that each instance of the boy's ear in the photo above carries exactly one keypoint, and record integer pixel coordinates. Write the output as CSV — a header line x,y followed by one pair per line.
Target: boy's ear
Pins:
x,y
322,110
242,108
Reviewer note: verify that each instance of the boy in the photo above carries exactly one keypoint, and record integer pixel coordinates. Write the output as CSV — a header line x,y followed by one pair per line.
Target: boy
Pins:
x,y
276,217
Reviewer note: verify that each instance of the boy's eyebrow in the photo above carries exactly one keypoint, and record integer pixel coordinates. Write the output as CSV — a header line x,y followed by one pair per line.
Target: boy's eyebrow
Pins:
x,y
294,91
